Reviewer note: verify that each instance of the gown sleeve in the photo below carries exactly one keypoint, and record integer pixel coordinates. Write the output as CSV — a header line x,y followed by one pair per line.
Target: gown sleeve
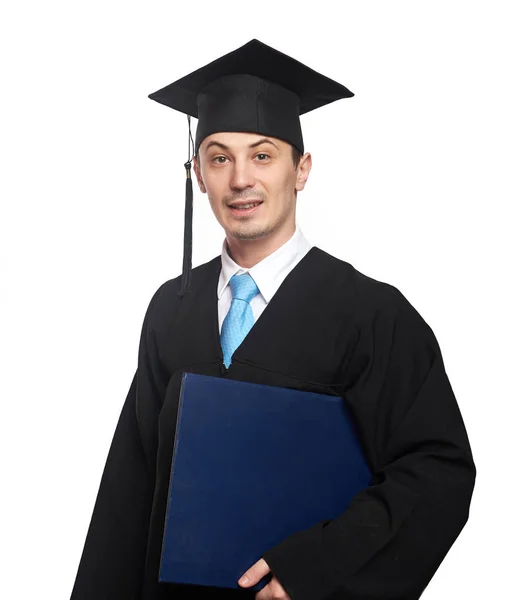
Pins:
x,y
395,533
113,558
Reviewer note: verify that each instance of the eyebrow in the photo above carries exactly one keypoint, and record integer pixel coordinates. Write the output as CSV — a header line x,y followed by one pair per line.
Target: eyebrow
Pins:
x,y
254,145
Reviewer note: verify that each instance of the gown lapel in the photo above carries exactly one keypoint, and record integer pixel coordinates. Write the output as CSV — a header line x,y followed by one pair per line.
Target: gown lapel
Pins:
x,y
270,316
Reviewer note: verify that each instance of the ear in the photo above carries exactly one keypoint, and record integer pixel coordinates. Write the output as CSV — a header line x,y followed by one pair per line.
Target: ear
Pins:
x,y
197,172
303,170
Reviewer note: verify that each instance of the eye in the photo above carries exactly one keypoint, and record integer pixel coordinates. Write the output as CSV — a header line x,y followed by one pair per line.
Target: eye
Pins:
x,y
262,154
218,160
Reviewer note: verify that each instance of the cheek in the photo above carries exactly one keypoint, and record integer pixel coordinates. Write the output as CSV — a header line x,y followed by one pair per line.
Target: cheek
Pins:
x,y
215,203
279,186
213,188
287,189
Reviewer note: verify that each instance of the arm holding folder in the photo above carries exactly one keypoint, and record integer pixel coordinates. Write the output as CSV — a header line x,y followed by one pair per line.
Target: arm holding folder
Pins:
x,y
393,536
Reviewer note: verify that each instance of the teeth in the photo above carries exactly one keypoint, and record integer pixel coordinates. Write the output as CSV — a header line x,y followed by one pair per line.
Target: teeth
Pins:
x,y
244,206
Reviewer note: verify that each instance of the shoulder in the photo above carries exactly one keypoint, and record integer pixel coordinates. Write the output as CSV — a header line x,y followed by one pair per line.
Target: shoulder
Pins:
x,y
371,298
165,300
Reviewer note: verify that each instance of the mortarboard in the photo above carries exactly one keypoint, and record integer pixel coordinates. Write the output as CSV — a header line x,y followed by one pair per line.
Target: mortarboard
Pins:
x,y
252,89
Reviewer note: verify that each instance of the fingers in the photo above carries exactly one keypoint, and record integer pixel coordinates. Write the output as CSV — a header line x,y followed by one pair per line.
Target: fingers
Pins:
x,y
255,573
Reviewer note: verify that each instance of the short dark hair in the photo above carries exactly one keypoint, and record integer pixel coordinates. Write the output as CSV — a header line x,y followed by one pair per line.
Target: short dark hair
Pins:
x,y
296,155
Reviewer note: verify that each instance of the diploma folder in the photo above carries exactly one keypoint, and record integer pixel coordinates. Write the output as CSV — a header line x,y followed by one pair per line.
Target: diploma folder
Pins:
x,y
251,465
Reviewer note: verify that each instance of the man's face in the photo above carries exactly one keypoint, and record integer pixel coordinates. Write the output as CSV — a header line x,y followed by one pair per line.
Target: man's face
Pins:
x,y
245,168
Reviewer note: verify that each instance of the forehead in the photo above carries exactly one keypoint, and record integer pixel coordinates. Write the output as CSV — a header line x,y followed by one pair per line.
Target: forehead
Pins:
x,y
238,140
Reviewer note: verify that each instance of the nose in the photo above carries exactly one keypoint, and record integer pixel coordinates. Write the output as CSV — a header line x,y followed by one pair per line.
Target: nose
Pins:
x,y
242,175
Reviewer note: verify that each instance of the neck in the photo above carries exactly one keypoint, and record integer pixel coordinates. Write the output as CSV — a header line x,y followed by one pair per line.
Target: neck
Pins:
x,y
247,253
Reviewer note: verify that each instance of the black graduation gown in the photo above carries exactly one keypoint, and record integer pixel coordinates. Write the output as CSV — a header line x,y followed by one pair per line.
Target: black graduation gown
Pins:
x,y
329,329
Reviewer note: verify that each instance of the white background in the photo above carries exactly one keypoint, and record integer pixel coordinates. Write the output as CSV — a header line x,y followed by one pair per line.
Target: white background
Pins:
x,y
415,182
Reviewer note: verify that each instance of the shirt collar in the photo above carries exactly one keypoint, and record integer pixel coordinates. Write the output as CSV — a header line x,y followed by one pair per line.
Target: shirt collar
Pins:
x,y
266,273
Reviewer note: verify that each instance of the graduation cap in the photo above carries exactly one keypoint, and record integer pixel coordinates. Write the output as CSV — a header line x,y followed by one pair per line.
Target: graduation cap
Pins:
x,y
254,89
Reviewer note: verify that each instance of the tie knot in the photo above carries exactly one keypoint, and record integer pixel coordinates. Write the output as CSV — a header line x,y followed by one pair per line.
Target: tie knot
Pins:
x,y
243,287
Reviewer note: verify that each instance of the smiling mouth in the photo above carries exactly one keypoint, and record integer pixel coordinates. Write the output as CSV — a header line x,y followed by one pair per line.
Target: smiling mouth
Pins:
x,y
246,206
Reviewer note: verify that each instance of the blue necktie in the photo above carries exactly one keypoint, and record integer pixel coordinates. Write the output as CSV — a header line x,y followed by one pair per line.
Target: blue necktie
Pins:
x,y
239,319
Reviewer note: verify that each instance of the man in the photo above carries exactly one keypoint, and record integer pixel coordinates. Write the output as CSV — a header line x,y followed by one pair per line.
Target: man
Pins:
x,y
307,321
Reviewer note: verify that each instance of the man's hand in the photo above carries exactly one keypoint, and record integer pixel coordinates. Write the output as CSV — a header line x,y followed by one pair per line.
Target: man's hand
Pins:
x,y
272,591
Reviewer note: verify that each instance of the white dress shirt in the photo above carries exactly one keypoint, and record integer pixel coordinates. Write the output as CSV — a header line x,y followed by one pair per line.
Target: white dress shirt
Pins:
x,y
268,274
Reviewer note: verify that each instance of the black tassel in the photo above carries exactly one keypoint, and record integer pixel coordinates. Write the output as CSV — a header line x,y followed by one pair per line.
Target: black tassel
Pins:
x,y
189,209
187,254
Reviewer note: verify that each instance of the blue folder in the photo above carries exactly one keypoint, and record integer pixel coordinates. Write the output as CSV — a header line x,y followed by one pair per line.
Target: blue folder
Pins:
x,y
252,464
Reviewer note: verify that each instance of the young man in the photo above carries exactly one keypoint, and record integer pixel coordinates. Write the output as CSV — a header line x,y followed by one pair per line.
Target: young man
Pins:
x,y
273,310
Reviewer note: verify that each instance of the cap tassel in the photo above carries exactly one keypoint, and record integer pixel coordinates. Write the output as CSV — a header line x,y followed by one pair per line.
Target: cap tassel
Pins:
x,y
187,254
189,206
